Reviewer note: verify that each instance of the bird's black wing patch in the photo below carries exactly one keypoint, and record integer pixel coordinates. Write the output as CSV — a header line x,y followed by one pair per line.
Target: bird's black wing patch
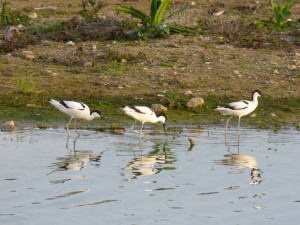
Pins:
x,y
83,106
136,110
64,104
246,102
229,106
234,107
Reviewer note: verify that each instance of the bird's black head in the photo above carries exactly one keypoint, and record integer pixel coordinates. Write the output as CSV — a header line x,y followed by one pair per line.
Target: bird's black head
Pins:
x,y
163,119
97,113
256,92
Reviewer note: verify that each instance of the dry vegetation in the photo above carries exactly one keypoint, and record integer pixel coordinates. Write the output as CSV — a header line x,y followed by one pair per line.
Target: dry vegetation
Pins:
x,y
230,56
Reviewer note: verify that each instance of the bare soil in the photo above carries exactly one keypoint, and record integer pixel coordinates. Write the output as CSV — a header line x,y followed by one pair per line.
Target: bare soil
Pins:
x,y
211,63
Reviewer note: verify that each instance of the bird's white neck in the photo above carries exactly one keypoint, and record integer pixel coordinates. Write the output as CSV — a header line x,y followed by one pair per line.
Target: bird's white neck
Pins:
x,y
161,119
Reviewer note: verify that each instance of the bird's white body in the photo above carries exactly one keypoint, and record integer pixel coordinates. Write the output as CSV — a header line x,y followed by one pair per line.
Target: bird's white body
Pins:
x,y
76,110
239,108
143,114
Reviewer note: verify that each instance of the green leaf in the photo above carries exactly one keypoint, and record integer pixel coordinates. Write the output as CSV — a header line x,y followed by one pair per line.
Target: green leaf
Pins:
x,y
162,10
134,13
154,7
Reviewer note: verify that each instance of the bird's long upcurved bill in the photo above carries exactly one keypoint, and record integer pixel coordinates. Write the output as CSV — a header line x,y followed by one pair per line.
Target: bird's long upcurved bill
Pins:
x,y
102,117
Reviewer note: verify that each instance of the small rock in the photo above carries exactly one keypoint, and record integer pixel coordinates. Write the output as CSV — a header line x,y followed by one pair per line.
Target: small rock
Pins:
x,y
273,114
202,38
236,72
28,55
94,48
20,27
70,43
253,115
188,93
158,108
32,15
196,102
292,67
88,64
8,126
276,72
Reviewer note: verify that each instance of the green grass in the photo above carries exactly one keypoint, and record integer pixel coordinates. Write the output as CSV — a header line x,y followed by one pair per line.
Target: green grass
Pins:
x,y
36,110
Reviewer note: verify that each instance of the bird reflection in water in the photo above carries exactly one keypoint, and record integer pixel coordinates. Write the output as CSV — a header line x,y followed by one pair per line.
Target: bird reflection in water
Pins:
x,y
153,163
76,159
242,162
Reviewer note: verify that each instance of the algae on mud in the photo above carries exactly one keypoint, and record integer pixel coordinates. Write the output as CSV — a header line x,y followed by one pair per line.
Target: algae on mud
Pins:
x,y
35,110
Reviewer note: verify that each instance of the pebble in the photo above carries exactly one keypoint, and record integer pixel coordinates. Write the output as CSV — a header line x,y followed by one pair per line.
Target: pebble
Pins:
x,y
20,27
8,126
188,93
33,15
292,67
196,102
88,64
94,48
158,108
70,43
28,55
276,71
273,114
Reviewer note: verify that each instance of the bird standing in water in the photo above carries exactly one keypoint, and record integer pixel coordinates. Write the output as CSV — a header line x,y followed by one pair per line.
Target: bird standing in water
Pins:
x,y
239,108
76,110
144,115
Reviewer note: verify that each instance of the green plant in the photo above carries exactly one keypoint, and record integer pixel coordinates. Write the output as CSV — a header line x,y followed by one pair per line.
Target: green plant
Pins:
x,y
56,26
118,68
10,17
154,23
26,85
172,97
158,9
281,13
90,9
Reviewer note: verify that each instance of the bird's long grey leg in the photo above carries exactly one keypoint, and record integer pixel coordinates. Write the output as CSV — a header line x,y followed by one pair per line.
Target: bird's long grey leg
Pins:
x,y
133,125
68,125
239,130
226,129
75,124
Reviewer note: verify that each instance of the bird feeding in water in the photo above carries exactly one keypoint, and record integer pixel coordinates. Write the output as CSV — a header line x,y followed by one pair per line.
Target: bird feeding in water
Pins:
x,y
144,115
239,108
76,110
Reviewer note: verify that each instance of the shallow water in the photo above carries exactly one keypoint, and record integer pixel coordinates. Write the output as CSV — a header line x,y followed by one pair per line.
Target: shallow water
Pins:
x,y
116,179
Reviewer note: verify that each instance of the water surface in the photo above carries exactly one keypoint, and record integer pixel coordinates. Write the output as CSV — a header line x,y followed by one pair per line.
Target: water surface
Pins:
x,y
105,178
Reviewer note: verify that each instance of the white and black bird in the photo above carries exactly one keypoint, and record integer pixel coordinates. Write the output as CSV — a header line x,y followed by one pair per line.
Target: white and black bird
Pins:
x,y
144,115
239,108
76,110
216,11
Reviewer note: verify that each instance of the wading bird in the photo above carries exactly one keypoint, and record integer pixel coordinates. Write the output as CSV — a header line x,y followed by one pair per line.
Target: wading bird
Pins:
x,y
76,110
239,108
144,115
